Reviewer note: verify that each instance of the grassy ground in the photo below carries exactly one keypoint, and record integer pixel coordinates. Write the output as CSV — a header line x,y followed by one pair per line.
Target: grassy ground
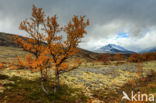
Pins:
x,y
19,90
95,79
106,83
8,54
143,85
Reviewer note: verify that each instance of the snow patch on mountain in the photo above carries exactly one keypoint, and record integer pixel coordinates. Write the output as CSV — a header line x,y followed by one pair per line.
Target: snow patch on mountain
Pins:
x,y
112,48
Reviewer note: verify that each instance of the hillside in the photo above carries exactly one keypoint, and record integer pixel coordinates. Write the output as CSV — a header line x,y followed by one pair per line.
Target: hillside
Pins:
x,y
149,50
7,45
5,40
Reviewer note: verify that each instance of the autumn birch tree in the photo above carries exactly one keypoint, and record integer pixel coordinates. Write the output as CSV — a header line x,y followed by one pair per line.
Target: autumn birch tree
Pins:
x,y
34,44
50,43
61,48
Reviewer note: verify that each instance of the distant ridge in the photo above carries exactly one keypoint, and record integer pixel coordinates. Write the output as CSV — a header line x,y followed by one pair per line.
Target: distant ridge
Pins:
x,y
5,40
113,49
148,50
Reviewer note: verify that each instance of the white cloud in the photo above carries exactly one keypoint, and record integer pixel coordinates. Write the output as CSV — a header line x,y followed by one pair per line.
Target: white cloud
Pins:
x,y
5,24
148,40
107,18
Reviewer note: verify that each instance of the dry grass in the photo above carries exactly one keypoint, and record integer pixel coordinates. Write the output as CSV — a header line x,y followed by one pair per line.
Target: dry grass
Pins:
x,y
8,54
91,76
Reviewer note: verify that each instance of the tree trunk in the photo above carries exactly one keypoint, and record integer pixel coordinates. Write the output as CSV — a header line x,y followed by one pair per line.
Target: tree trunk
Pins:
x,y
57,79
42,82
43,88
57,76
46,75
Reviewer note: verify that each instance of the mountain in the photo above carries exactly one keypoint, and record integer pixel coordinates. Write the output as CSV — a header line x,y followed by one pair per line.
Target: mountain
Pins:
x,y
148,50
113,49
6,39
7,43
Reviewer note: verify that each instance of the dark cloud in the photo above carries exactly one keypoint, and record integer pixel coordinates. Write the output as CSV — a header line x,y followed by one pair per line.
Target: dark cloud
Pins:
x,y
107,17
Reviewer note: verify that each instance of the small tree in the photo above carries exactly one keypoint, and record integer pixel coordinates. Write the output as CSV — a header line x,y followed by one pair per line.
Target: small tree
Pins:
x,y
2,66
46,38
144,57
134,58
117,57
104,58
61,48
34,44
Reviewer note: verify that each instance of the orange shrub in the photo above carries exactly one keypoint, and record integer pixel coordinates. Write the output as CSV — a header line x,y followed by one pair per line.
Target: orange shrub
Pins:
x,y
142,57
117,57
2,66
104,58
134,58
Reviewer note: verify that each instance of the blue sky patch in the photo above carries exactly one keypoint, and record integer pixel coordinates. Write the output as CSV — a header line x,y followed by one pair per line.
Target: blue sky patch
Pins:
x,y
122,35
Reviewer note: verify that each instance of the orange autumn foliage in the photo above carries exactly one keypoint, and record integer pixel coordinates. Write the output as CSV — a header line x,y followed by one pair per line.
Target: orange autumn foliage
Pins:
x,y
142,57
117,57
2,66
50,43
31,63
134,58
104,58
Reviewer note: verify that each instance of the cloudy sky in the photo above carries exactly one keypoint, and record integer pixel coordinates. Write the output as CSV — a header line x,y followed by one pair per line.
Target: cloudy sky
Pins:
x,y
129,23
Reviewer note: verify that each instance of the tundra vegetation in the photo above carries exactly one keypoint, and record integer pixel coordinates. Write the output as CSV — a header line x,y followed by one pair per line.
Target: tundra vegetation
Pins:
x,y
50,68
